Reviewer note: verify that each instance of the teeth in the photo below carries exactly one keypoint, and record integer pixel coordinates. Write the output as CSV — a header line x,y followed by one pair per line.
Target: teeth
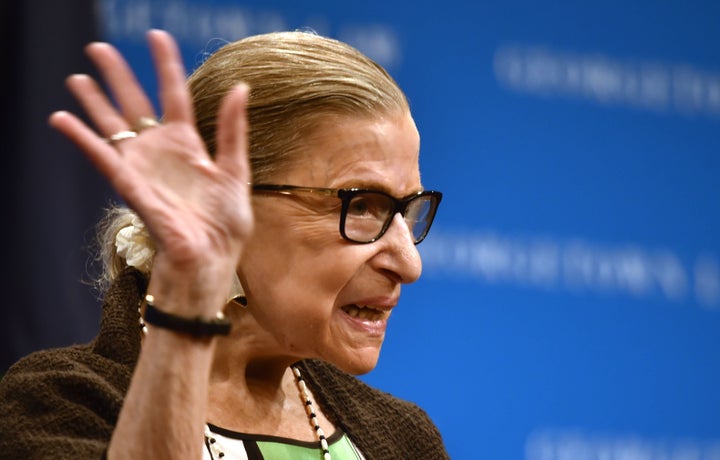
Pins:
x,y
363,312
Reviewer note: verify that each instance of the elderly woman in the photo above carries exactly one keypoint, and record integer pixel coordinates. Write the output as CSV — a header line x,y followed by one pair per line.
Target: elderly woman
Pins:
x,y
272,219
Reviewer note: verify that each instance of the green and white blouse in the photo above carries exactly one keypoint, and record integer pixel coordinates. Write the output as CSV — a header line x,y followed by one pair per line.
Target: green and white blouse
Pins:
x,y
242,446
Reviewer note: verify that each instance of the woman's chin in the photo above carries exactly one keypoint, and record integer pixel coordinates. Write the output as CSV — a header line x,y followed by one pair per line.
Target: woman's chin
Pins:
x,y
359,363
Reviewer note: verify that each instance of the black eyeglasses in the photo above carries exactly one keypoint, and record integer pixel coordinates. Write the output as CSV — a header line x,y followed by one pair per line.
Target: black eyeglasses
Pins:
x,y
366,214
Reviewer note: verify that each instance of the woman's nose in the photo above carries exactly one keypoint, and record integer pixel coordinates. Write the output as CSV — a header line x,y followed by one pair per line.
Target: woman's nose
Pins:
x,y
404,258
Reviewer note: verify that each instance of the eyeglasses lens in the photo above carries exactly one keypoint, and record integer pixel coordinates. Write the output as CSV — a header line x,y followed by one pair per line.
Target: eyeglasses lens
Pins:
x,y
369,213
366,215
418,214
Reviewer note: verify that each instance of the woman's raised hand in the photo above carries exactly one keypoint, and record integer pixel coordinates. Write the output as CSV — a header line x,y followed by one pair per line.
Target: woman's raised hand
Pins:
x,y
197,208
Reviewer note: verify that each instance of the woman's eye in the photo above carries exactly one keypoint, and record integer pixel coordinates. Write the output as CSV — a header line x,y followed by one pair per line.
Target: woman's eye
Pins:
x,y
368,207
358,207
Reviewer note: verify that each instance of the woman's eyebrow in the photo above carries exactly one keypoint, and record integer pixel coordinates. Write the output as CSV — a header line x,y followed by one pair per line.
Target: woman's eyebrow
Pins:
x,y
375,186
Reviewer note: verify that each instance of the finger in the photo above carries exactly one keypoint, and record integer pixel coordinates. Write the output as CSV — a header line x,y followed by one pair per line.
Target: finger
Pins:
x,y
121,80
172,89
100,153
232,132
96,104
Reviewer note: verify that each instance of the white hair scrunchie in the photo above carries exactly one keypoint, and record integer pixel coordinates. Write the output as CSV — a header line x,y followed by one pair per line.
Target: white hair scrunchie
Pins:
x,y
133,243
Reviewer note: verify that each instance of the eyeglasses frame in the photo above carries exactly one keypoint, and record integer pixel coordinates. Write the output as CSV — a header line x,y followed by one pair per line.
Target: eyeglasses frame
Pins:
x,y
347,194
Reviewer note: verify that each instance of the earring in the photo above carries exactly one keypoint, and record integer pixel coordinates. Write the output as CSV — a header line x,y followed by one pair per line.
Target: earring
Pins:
x,y
237,293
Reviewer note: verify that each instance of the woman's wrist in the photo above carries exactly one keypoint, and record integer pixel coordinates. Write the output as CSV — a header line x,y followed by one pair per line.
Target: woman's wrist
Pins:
x,y
190,292
196,326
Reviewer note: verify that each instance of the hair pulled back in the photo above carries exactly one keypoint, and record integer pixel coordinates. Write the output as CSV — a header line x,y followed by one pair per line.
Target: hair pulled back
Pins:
x,y
297,80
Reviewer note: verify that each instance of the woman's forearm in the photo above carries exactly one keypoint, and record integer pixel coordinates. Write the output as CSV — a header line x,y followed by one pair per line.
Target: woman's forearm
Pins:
x,y
164,412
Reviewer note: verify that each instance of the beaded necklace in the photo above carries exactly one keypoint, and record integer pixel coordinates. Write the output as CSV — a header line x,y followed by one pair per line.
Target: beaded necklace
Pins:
x,y
217,452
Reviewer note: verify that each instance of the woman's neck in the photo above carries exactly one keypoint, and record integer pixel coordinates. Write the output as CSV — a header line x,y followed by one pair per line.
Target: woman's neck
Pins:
x,y
274,407
254,393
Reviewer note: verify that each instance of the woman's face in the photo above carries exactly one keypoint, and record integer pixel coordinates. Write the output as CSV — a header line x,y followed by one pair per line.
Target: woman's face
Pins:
x,y
312,292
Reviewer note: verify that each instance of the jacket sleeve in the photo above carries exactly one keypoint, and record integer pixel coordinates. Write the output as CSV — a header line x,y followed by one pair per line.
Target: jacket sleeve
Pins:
x,y
59,404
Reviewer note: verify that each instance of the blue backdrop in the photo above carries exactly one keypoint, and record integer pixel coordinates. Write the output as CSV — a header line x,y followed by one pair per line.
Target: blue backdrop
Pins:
x,y
570,302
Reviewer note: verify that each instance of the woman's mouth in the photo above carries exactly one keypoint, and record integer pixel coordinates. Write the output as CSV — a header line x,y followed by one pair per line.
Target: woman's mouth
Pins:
x,y
365,312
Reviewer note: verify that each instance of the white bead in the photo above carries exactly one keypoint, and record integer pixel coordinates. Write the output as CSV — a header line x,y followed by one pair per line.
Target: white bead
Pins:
x,y
311,413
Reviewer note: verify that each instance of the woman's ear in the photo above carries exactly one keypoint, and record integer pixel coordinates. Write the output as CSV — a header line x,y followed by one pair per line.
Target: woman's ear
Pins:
x,y
237,293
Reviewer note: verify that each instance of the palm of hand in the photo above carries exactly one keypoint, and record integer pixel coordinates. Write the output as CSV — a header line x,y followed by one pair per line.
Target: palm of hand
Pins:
x,y
196,208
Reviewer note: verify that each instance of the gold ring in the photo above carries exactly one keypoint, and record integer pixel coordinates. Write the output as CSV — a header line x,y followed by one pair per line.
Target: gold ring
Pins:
x,y
144,123
121,136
